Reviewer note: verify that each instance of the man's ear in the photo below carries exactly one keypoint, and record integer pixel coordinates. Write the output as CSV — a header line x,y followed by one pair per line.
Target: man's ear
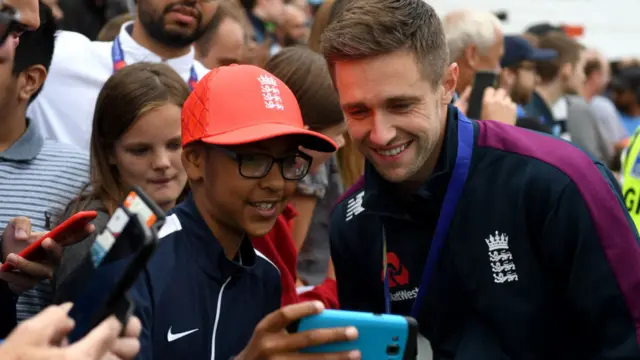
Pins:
x,y
193,161
449,82
471,56
566,70
31,81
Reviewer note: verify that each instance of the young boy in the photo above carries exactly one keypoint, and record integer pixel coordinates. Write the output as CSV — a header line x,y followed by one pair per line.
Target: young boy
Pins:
x,y
207,288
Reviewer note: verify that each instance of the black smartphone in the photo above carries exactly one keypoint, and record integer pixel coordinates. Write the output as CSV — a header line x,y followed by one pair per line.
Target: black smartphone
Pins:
x,y
117,257
481,81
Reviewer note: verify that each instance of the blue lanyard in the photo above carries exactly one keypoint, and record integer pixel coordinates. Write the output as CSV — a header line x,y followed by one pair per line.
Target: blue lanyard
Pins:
x,y
117,56
449,204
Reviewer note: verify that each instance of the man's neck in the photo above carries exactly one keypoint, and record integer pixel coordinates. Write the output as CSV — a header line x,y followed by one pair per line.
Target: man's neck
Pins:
x,y
140,35
550,93
12,127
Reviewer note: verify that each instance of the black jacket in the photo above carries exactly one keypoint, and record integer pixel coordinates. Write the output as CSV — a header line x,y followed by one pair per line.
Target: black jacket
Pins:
x,y
541,260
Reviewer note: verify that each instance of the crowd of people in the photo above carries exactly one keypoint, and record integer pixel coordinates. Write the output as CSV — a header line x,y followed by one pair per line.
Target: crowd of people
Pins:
x,y
316,155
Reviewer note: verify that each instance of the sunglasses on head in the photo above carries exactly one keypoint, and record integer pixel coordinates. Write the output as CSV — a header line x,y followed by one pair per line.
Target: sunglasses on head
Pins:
x,y
9,24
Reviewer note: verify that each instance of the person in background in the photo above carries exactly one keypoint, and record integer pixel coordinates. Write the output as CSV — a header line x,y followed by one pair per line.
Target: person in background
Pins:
x,y
350,160
206,288
625,93
294,29
135,142
630,178
558,76
597,79
476,43
474,228
519,78
264,15
226,39
162,31
574,118
40,176
36,339
305,72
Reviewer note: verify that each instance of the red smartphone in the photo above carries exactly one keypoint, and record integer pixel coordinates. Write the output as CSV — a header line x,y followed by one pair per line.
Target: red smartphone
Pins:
x,y
75,223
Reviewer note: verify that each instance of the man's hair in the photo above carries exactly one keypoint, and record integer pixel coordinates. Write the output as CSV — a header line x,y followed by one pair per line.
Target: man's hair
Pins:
x,y
367,28
36,47
568,53
227,9
467,27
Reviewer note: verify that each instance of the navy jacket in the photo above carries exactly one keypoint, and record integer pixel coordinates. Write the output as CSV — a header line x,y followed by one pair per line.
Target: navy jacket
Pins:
x,y
566,284
195,303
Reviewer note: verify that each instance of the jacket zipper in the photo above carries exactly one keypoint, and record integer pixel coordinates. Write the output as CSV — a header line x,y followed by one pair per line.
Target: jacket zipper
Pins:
x,y
215,323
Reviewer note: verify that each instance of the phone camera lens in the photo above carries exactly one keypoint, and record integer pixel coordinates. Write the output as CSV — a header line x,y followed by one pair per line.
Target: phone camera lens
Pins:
x,y
393,350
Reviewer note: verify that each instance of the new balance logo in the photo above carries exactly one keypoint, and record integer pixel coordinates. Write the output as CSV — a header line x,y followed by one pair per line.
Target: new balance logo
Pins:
x,y
354,206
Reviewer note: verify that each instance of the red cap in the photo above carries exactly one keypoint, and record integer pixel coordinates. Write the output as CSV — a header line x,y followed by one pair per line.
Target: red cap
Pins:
x,y
241,104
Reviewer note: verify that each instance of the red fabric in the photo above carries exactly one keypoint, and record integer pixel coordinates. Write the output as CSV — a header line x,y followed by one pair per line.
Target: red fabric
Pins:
x,y
278,246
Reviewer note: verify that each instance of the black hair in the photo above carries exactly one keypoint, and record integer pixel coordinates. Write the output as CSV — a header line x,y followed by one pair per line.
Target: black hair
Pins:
x,y
36,47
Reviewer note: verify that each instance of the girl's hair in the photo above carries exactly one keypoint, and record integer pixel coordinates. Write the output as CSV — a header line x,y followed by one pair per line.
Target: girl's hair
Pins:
x,y
306,74
127,95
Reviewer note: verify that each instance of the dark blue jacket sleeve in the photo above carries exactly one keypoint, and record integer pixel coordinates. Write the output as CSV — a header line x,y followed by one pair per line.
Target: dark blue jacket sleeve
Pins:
x,y
143,299
592,251
7,310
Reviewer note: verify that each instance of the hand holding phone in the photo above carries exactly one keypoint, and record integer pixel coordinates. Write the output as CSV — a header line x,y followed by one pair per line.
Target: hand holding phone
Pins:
x,y
380,336
270,340
72,226
117,257
481,81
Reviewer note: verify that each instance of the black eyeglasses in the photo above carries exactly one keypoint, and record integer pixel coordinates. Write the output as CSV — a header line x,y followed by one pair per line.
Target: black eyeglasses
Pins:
x,y
9,24
257,166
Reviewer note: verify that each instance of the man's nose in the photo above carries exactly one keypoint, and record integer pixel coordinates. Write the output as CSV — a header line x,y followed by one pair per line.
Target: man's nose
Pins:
x,y
382,131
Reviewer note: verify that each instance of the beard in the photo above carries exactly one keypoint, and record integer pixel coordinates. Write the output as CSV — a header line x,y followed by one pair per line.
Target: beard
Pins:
x,y
155,26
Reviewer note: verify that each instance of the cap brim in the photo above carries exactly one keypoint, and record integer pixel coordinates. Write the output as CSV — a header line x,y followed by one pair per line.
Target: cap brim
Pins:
x,y
310,139
543,55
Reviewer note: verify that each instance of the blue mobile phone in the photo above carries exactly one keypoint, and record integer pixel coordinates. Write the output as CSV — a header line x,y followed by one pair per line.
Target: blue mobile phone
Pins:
x,y
380,336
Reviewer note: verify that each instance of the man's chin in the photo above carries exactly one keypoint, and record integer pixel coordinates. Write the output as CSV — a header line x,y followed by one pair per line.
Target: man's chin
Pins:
x,y
395,175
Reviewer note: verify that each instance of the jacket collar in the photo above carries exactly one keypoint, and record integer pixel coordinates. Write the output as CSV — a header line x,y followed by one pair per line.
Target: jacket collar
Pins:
x,y
135,52
207,251
380,195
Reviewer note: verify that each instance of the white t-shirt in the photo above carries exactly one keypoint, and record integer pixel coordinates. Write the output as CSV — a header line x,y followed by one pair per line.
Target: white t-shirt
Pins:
x,y
64,109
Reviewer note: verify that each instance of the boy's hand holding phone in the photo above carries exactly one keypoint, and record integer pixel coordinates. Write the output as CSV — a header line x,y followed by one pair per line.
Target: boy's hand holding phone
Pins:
x,y
270,339
16,237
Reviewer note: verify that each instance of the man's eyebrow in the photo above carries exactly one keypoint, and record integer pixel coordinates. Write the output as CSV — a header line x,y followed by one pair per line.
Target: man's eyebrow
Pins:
x,y
357,104
403,98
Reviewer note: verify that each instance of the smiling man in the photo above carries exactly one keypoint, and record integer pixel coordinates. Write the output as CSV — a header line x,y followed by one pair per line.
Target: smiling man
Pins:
x,y
162,31
473,228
